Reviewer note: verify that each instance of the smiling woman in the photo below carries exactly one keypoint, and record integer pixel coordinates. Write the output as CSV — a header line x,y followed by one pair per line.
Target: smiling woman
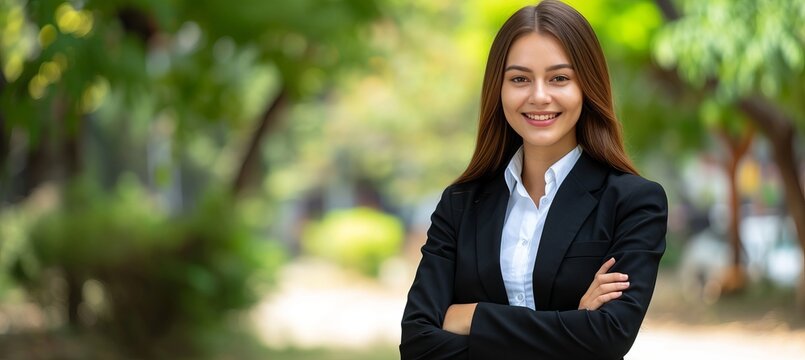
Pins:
x,y
540,95
548,245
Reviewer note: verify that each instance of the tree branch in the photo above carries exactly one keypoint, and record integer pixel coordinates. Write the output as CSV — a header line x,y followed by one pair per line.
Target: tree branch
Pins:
x,y
250,163
668,10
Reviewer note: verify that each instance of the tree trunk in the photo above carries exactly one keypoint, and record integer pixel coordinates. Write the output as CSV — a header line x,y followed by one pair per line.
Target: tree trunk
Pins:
x,y
74,298
37,163
5,159
734,279
5,142
72,146
68,155
250,164
668,10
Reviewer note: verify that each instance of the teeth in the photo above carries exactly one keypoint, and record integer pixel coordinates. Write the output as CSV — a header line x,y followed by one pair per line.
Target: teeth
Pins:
x,y
540,117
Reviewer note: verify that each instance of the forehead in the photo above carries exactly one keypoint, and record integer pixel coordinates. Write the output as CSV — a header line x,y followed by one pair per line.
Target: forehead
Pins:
x,y
538,50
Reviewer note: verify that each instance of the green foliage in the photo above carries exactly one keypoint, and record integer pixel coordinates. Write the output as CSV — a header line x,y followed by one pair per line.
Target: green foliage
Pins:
x,y
722,118
414,103
15,223
360,238
188,71
749,46
153,276
93,230
76,54
625,28
157,88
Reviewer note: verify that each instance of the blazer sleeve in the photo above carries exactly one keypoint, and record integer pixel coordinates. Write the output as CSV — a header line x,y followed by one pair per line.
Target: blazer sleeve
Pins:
x,y
432,293
502,332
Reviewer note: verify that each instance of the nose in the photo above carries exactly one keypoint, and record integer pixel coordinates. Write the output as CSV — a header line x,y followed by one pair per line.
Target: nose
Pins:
x,y
539,94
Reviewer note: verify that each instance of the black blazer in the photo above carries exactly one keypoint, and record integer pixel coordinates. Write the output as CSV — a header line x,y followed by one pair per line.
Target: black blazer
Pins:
x,y
597,213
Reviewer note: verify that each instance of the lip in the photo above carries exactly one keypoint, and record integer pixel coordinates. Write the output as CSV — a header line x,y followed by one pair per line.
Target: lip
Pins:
x,y
541,123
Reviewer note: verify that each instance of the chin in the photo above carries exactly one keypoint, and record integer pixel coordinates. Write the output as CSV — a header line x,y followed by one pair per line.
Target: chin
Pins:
x,y
539,142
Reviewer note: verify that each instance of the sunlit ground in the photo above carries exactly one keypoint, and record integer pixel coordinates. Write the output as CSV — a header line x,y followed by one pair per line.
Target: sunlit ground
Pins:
x,y
758,324
319,311
319,306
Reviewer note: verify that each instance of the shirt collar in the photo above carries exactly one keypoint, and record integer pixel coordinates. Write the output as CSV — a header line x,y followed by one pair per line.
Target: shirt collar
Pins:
x,y
555,173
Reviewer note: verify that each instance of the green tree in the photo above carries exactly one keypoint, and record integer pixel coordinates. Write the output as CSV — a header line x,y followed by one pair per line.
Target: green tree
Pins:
x,y
199,65
750,54
168,91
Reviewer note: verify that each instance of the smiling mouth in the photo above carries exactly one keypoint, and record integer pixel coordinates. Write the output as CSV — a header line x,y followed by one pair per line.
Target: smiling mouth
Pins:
x,y
539,117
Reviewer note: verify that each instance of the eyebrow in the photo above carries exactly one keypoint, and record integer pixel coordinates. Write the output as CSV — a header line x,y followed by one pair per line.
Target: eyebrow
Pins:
x,y
549,68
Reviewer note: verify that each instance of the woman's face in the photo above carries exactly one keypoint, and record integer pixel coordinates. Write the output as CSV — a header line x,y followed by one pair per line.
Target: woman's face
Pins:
x,y
540,94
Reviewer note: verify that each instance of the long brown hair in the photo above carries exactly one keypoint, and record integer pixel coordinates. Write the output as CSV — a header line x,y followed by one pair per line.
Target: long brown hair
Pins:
x,y
597,131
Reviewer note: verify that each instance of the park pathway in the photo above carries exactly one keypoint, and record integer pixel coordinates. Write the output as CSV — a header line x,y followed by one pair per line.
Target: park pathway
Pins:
x,y
317,305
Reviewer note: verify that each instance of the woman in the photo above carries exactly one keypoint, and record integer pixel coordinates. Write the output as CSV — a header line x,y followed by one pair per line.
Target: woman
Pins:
x,y
529,250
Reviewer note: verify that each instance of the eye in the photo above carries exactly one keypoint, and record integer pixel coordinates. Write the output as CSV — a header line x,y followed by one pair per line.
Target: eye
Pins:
x,y
519,79
560,78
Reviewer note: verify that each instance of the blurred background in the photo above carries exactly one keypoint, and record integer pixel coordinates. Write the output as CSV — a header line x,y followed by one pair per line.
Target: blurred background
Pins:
x,y
253,179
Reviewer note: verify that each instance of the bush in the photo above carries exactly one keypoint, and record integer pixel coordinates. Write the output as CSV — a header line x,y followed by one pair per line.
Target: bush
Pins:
x,y
153,281
359,238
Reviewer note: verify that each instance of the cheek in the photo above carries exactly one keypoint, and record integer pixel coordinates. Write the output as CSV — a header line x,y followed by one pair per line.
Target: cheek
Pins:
x,y
510,98
574,98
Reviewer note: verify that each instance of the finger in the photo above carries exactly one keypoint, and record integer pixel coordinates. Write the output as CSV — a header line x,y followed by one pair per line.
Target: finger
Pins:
x,y
606,266
602,271
610,278
599,301
612,287
603,299
608,288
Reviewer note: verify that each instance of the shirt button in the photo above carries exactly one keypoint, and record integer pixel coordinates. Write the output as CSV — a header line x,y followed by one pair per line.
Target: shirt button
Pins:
x,y
520,297
524,242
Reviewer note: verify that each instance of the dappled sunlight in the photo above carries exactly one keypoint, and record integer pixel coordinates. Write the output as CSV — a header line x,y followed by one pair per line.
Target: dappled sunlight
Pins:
x,y
667,341
318,304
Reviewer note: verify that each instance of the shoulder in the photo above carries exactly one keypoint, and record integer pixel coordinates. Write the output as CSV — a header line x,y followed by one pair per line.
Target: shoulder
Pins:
x,y
631,191
630,183
611,183
461,189
461,195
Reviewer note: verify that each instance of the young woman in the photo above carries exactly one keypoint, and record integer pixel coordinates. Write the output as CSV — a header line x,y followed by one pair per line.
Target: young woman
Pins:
x,y
547,246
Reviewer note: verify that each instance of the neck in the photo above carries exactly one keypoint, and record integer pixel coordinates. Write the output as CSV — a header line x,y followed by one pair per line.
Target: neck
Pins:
x,y
536,161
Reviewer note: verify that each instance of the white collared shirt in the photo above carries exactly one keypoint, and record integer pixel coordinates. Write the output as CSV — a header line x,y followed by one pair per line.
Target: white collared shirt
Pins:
x,y
522,229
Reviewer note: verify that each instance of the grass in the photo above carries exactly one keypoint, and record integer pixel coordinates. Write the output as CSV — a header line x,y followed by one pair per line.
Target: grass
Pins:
x,y
376,353
228,345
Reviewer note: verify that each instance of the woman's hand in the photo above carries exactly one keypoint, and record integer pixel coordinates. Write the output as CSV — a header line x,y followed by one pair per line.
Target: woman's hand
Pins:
x,y
458,318
605,287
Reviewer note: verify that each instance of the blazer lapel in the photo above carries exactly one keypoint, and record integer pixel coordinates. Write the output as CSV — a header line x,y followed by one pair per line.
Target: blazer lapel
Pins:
x,y
570,207
489,215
